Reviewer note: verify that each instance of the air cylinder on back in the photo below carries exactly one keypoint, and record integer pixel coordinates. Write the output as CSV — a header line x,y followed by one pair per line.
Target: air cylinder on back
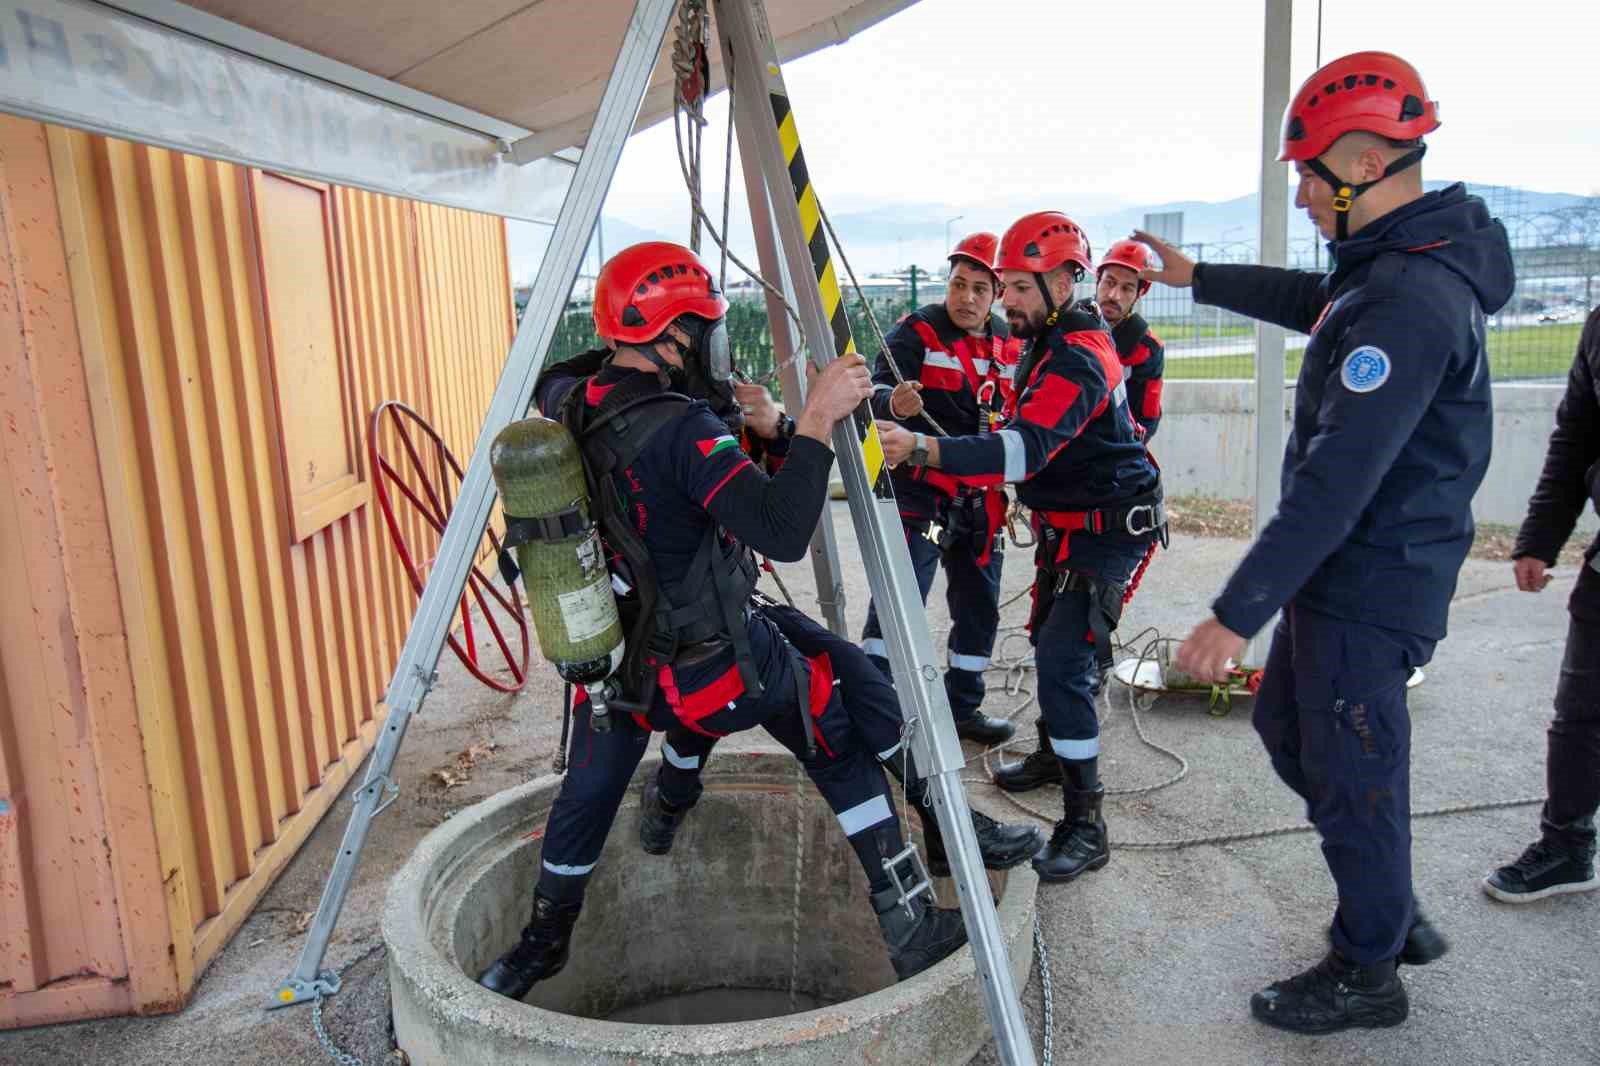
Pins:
x,y
539,472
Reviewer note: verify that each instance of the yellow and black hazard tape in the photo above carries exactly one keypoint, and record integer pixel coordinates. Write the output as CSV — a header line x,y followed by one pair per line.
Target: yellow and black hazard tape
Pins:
x,y
821,256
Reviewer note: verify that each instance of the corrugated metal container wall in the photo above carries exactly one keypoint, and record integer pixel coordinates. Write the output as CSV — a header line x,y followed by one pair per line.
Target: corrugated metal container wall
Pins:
x,y
210,606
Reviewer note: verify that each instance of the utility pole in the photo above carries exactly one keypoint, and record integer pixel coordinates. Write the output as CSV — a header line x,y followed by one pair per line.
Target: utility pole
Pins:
x,y
913,286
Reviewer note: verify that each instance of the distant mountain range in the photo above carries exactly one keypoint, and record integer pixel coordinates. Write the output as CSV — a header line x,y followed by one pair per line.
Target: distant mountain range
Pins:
x,y
892,236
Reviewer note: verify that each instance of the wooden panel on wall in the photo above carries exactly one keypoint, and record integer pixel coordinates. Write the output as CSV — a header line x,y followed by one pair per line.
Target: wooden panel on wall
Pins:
x,y
256,624
294,239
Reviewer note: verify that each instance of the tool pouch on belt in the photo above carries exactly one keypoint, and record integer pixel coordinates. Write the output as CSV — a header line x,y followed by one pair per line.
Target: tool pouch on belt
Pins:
x,y
1105,610
974,521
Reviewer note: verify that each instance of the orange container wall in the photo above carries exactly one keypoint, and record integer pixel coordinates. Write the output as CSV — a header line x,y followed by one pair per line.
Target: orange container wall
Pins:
x,y
209,605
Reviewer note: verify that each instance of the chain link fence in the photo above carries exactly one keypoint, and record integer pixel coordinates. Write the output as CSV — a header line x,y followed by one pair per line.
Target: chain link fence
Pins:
x,y
749,331
1533,338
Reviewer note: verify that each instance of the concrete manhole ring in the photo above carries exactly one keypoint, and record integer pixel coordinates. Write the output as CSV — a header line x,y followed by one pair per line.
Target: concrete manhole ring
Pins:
x,y
708,931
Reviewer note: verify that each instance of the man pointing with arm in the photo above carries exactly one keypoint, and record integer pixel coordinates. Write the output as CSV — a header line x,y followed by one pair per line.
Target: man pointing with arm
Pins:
x,y
1391,435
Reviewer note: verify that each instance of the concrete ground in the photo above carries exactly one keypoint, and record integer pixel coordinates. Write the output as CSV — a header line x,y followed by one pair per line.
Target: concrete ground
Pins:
x,y
1153,959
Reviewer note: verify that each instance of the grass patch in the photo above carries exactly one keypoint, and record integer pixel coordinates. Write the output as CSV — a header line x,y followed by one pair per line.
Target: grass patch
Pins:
x,y
1514,354
1207,516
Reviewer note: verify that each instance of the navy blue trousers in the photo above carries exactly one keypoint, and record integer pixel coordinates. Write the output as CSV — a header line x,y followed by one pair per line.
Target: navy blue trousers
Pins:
x,y
1332,714
602,764
861,691
1064,653
973,595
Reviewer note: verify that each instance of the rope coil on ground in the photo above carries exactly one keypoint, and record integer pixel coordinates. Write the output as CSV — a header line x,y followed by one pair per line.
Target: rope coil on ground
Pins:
x,y
1016,668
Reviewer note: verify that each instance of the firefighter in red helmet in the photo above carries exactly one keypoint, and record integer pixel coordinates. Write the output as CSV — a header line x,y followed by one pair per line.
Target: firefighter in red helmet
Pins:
x,y
1119,285
952,362
1391,434
1072,450
680,508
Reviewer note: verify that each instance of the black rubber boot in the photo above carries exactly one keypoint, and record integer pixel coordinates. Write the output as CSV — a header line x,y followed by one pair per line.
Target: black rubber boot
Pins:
x,y
1079,843
1039,768
1334,994
985,730
1001,844
541,952
658,823
916,934
1424,943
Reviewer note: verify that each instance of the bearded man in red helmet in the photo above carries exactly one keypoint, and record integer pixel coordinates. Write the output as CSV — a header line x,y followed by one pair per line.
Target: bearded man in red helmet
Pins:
x,y
1119,285
952,365
680,509
1071,448
1392,426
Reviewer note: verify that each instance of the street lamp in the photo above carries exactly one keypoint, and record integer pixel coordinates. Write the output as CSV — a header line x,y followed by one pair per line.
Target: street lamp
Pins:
x,y
947,222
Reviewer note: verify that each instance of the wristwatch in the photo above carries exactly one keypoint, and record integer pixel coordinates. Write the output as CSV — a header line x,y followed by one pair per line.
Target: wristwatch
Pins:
x,y
786,427
919,451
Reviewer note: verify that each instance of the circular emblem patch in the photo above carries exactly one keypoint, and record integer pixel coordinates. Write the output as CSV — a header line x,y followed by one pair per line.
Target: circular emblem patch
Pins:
x,y
1365,369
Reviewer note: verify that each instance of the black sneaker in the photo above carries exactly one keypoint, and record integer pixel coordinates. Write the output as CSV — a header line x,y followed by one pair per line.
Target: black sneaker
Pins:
x,y
1544,870
1334,994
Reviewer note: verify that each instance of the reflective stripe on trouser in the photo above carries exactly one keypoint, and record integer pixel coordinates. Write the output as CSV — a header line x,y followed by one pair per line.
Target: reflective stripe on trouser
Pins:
x,y
683,758
1332,714
973,596
1065,653
843,770
597,778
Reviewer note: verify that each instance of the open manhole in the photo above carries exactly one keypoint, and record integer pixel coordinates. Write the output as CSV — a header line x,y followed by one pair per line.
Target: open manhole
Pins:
x,y
715,953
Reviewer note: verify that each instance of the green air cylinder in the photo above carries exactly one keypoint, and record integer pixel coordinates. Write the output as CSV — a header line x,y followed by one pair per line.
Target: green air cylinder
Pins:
x,y
539,472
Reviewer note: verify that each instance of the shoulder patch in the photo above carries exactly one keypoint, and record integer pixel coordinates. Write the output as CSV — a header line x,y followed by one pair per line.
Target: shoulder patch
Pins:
x,y
711,447
1365,369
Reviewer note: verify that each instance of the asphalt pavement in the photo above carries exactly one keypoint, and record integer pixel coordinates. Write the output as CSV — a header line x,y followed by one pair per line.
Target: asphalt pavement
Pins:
x,y
1153,959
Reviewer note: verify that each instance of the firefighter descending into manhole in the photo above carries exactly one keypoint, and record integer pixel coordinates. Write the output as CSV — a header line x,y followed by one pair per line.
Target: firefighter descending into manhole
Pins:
x,y
680,508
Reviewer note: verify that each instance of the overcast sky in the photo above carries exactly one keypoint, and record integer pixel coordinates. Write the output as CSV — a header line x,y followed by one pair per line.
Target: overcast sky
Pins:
x,y
994,104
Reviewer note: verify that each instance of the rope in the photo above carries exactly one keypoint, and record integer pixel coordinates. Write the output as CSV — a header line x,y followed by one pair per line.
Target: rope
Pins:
x,y
1014,670
872,319
799,861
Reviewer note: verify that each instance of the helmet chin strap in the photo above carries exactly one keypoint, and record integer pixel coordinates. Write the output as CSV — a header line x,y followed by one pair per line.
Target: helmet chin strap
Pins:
x,y
1345,192
664,369
1044,290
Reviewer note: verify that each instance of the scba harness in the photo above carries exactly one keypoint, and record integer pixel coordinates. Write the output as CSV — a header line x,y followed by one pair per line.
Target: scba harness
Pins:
x,y
689,620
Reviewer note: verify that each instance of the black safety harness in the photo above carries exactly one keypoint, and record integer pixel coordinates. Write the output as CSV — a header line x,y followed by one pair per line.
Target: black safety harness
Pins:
x,y
691,619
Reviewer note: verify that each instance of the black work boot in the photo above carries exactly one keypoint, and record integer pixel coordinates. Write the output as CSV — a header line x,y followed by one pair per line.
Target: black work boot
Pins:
x,y
1001,844
658,820
984,729
541,952
1424,943
1079,843
917,935
1334,994
1039,768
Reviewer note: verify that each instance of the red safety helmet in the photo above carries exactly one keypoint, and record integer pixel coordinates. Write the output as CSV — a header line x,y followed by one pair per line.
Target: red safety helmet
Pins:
x,y
1374,92
978,248
1042,241
1135,255
643,288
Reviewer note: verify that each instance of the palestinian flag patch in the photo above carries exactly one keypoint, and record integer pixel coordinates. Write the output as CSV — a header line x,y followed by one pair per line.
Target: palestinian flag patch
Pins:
x,y
711,447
